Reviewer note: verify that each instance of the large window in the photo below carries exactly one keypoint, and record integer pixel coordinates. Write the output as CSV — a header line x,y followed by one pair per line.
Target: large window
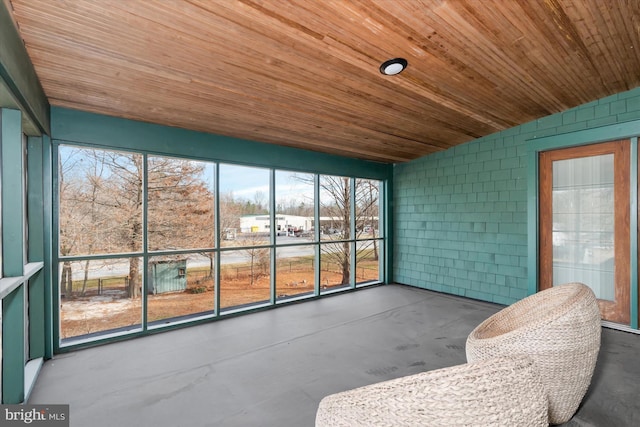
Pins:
x,y
147,241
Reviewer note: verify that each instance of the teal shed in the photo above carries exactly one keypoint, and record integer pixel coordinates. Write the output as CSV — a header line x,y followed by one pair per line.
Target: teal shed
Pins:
x,y
167,276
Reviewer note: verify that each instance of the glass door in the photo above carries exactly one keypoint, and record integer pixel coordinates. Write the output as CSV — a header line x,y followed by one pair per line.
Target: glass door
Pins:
x,y
584,222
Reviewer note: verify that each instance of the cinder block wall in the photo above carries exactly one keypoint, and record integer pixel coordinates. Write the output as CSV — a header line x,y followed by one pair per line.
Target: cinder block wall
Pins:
x,y
460,216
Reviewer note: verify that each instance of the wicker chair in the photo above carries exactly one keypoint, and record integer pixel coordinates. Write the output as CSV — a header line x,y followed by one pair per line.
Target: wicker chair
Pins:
x,y
505,391
559,328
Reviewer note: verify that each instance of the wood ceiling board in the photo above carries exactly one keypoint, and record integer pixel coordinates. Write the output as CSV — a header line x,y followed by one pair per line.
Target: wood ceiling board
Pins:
x,y
305,74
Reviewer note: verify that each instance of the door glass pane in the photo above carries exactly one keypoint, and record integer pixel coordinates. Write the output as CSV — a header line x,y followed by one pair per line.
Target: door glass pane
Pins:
x,y
583,223
99,297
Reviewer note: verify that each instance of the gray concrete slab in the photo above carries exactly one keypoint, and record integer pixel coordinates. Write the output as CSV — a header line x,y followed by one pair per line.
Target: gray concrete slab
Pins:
x,y
272,368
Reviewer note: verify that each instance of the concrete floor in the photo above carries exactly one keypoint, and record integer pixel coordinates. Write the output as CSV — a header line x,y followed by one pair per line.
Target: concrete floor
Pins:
x,y
272,368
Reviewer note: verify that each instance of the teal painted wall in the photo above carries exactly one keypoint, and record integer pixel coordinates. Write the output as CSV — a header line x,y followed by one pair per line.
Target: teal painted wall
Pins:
x,y
460,216
87,128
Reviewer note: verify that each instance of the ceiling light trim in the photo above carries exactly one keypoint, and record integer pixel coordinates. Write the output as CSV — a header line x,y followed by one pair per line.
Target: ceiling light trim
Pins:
x,y
393,66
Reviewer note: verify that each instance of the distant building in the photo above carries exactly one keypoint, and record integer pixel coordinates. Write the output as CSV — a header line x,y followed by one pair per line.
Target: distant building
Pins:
x,y
285,224
293,225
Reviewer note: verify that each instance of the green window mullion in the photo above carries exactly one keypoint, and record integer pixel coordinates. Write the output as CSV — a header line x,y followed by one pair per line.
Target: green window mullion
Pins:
x,y
145,240
272,234
216,239
13,305
35,217
316,232
12,170
49,300
55,244
13,356
352,232
382,226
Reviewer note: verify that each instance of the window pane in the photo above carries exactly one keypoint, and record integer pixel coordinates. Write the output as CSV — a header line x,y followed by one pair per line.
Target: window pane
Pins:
x,y
583,223
367,208
335,207
100,296
295,267
100,201
294,206
335,266
179,286
244,206
181,204
245,277
368,259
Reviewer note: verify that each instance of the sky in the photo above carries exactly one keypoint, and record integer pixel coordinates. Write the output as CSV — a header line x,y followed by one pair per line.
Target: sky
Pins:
x,y
245,182
242,181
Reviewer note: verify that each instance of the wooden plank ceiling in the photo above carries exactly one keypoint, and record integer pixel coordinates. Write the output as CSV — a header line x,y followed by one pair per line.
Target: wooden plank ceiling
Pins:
x,y
305,73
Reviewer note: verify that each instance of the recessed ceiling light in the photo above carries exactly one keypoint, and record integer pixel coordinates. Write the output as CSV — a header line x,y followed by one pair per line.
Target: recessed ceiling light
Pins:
x,y
393,66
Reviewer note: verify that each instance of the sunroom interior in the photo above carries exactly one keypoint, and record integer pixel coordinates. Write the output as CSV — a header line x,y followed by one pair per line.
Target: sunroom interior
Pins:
x,y
169,166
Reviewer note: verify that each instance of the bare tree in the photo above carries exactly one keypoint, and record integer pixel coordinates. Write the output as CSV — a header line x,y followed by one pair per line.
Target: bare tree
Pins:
x,y
231,209
68,236
181,206
102,213
81,185
258,256
229,216
180,212
335,203
125,191
367,209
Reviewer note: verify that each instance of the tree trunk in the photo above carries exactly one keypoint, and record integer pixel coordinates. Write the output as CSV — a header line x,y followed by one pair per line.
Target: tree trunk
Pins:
x,y
251,272
346,263
372,222
134,264
67,282
346,231
86,277
134,278
375,246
